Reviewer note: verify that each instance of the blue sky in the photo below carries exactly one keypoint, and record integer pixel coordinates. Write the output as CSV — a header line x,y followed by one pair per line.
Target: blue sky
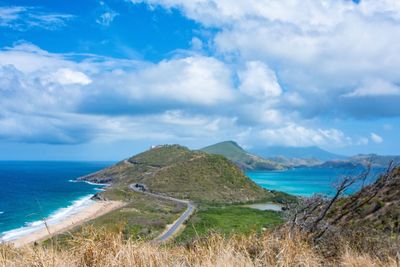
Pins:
x,y
102,80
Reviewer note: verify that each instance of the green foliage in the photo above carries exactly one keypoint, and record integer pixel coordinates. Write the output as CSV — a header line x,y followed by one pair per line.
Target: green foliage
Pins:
x,y
144,217
162,156
205,178
228,220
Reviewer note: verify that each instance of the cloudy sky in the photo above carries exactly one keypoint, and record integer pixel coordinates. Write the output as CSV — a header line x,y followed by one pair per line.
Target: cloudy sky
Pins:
x,y
101,80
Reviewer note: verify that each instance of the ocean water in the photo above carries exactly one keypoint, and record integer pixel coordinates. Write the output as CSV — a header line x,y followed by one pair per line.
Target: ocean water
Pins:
x,y
308,181
32,191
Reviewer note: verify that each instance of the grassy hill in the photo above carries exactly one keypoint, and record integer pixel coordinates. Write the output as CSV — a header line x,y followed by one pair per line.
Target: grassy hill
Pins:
x,y
381,210
176,171
241,157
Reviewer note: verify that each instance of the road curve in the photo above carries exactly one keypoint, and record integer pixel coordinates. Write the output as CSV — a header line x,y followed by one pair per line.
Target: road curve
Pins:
x,y
172,229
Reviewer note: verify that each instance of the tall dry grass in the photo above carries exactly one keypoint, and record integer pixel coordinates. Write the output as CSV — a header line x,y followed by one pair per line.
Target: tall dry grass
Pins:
x,y
96,247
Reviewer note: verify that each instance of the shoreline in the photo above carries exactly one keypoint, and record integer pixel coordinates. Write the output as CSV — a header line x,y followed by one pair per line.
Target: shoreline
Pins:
x,y
92,210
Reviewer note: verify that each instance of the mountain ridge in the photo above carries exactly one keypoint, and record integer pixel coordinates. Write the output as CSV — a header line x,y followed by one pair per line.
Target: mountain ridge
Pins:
x,y
309,152
241,157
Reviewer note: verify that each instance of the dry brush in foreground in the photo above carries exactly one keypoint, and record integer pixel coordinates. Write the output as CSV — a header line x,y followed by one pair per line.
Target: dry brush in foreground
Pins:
x,y
96,247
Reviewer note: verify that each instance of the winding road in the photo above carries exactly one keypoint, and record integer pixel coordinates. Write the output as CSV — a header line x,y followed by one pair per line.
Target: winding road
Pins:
x,y
172,229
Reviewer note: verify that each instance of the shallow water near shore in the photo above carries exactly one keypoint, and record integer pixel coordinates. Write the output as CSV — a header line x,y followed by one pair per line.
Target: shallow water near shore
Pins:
x,y
32,191
309,181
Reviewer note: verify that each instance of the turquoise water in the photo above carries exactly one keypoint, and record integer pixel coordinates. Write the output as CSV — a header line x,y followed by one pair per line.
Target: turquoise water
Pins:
x,y
32,191
307,181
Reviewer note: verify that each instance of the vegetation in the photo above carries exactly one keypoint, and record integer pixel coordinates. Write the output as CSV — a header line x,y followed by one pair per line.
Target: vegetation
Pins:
x,y
143,218
242,158
227,221
341,231
283,247
176,171
370,218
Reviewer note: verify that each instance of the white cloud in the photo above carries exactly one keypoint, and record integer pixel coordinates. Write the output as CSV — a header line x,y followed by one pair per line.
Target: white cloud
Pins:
x,y
297,135
376,138
51,98
43,97
375,88
191,80
66,76
320,50
259,81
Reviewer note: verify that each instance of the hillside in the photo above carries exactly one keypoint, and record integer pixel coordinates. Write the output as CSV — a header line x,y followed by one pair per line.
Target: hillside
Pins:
x,y
176,171
241,157
381,210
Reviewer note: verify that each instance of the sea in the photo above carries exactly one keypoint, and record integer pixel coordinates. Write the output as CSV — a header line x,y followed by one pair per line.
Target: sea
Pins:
x,y
309,181
31,191
36,190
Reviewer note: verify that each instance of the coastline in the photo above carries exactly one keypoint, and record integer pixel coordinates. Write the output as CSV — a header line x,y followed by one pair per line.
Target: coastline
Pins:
x,y
91,210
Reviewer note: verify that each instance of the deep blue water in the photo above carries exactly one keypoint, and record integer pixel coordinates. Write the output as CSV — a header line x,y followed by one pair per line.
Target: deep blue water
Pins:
x,y
31,191
308,181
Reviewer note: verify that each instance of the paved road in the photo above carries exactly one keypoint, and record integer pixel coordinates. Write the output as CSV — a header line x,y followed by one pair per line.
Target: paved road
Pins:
x,y
178,223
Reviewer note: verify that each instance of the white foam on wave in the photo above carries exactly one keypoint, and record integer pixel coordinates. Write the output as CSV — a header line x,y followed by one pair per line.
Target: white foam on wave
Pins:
x,y
1,212
91,183
54,218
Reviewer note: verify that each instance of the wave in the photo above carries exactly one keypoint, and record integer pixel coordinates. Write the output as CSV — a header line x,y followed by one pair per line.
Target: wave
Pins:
x,y
91,183
54,218
1,212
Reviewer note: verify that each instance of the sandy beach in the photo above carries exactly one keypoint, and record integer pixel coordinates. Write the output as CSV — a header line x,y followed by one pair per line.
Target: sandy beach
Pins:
x,y
93,211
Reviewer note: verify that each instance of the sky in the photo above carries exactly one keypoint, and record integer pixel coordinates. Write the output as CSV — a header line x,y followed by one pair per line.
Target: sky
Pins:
x,y
103,80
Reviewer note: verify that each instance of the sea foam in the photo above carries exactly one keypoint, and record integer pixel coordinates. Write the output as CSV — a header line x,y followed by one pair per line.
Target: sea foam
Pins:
x,y
54,218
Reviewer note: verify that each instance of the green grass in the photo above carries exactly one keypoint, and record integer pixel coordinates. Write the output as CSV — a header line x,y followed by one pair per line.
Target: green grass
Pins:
x,y
228,220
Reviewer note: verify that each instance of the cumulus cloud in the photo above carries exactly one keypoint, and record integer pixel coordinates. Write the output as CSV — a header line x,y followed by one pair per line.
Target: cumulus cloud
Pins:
x,y
197,80
375,88
50,100
54,98
66,76
297,135
258,81
320,50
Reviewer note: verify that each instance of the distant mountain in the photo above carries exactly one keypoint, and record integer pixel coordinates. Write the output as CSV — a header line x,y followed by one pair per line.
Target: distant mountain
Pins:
x,y
310,152
296,162
241,157
363,160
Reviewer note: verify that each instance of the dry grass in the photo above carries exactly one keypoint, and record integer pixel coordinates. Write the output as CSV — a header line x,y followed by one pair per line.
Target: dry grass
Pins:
x,y
94,247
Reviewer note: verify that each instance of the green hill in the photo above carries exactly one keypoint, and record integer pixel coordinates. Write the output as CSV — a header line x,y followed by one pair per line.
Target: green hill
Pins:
x,y
176,171
241,157
376,206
